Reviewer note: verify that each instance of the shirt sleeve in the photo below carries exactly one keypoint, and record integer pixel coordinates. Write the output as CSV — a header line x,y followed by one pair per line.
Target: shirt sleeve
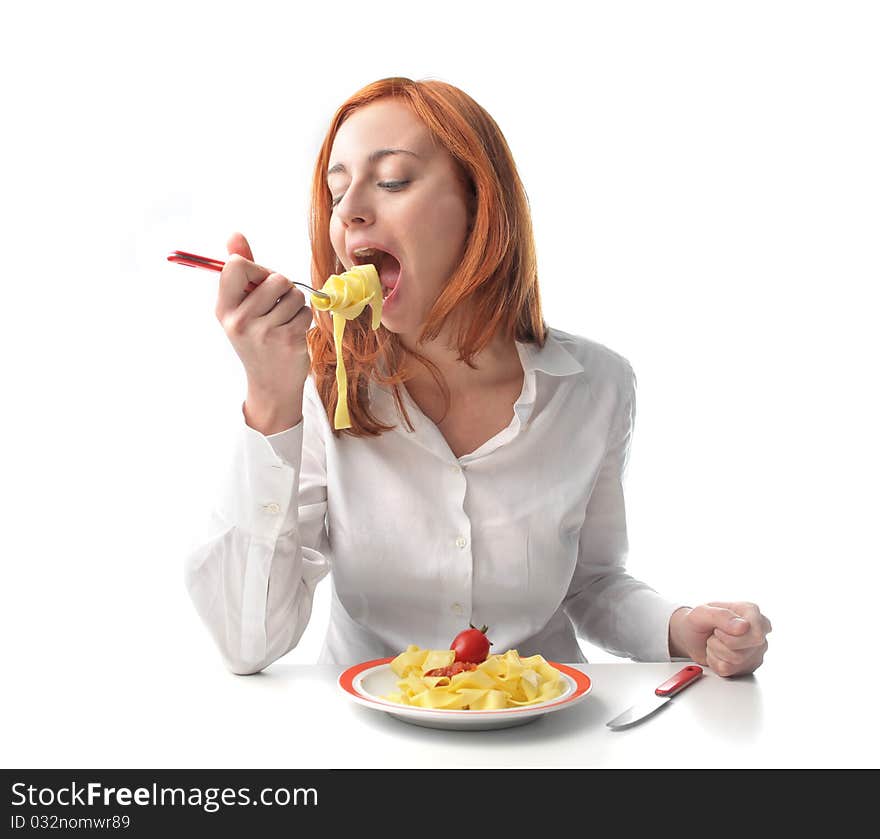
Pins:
x,y
607,606
252,577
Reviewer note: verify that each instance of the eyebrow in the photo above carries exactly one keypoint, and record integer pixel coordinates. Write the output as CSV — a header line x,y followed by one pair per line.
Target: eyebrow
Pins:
x,y
374,156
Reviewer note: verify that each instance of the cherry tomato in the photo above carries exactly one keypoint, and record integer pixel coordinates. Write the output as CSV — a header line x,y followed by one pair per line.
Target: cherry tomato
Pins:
x,y
471,645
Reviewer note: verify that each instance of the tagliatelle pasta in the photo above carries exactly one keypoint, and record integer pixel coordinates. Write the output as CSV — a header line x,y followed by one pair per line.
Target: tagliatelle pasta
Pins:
x,y
501,681
349,293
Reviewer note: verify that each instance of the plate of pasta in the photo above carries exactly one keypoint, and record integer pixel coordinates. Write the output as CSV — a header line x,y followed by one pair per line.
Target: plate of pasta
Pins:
x,y
429,688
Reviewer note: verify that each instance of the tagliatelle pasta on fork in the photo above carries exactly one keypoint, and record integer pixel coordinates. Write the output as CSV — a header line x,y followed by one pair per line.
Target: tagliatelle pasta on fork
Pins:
x,y
501,681
349,293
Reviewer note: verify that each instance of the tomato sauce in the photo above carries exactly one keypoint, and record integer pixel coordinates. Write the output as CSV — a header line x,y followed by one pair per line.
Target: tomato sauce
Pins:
x,y
453,669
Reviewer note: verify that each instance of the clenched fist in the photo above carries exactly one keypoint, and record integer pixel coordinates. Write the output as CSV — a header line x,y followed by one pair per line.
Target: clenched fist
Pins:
x,y
730,638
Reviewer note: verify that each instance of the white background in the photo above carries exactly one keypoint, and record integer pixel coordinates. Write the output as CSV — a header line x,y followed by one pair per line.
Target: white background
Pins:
x,y
704,184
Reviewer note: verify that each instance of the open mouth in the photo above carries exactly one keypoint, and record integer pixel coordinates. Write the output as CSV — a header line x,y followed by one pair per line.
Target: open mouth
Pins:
x,y
387,266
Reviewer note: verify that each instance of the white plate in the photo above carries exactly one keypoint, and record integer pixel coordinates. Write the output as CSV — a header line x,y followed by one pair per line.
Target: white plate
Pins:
x,y
366,683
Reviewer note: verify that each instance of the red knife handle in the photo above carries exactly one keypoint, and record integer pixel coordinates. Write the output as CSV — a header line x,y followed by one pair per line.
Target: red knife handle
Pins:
x,y
680,680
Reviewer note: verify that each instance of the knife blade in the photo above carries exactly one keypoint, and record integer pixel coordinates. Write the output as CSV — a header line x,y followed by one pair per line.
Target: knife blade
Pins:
x,y
662,694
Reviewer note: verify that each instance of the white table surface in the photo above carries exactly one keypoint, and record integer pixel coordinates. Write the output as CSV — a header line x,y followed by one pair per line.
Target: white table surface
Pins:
x,y
295,716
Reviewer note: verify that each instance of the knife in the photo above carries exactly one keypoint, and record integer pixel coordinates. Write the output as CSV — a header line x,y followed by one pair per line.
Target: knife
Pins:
x,y
662,695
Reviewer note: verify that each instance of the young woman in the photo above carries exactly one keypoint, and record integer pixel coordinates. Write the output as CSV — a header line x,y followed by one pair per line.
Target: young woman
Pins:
x,y
480,479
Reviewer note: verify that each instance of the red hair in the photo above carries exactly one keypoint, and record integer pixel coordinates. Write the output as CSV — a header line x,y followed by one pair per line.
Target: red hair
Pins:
x,y
494,288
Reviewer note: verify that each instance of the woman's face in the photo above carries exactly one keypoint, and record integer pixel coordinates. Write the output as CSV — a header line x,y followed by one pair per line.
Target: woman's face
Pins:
x,y
411,203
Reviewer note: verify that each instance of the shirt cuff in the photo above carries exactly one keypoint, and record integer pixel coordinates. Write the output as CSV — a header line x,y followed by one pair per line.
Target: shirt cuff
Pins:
x,y
287,444
669,655
260,495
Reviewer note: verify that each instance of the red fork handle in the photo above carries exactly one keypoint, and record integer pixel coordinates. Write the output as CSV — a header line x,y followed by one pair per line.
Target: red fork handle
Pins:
x,y
680,680
193,260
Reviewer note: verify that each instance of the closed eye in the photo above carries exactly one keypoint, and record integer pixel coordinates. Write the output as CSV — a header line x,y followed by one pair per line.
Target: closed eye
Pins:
x,y
391,186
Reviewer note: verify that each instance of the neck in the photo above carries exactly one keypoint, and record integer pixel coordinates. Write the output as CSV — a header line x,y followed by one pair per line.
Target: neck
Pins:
x,y
497,362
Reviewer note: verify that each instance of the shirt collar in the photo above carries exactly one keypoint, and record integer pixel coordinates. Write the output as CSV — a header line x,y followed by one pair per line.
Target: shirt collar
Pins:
x,y
553,358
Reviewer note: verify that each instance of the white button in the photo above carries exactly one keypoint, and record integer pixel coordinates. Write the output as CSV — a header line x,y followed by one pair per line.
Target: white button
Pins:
x,y
461,542
272,508
457,609
456,469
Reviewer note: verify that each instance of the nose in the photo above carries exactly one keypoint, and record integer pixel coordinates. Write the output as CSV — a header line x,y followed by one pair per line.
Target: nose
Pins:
x,y
354,207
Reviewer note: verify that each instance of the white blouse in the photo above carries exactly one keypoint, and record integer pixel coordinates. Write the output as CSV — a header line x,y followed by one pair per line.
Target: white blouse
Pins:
x,y
526,534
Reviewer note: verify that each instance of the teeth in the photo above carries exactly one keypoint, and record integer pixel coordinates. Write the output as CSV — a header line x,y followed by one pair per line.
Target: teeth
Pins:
x,y
364,252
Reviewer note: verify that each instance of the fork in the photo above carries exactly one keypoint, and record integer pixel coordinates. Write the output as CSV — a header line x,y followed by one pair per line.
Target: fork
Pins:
x,y
192,260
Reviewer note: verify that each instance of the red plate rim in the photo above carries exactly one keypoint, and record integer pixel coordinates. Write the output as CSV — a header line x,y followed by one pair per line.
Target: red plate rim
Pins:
x,y
347,677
